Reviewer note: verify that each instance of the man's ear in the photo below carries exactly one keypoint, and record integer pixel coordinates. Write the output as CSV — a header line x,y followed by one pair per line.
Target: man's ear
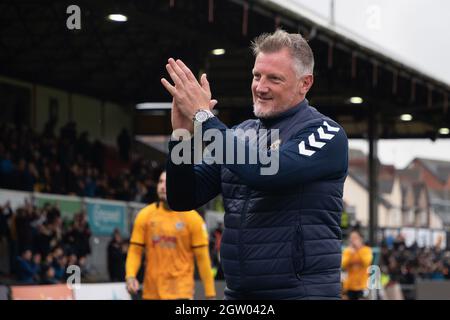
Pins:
x,y
306,83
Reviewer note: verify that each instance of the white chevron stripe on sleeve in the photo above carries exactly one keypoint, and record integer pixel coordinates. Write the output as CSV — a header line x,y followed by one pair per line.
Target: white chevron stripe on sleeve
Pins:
x,y
323,135
302,149
330,128
314,143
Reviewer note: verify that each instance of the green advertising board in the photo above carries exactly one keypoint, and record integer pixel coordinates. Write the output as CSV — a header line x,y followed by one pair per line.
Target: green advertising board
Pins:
x,y
69,206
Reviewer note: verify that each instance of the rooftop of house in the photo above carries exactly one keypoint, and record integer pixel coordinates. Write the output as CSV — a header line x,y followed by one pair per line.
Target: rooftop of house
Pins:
x,y
438,168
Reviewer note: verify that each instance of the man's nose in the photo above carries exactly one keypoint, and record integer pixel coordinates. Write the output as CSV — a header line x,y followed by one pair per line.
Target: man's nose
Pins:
x,y
261,86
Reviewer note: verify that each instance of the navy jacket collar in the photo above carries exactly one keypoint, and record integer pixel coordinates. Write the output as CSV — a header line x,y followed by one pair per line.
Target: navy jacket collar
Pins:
x,y
270,122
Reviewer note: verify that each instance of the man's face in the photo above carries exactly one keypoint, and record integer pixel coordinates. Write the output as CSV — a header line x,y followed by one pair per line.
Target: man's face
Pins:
x,y
58,253
275,86
37,258
355,240
27,255
161,187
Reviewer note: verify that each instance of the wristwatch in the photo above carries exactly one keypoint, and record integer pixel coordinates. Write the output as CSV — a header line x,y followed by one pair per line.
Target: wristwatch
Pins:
x,y
202,115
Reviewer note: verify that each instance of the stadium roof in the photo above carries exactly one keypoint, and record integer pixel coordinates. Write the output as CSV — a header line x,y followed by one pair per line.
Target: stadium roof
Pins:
x,y
123,62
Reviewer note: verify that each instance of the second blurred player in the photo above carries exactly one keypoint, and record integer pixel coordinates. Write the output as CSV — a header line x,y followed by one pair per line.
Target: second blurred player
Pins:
x,y
170,240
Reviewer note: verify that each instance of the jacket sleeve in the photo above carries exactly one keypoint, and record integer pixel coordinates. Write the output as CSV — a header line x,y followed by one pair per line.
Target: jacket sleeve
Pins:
x,y
317,152
190,186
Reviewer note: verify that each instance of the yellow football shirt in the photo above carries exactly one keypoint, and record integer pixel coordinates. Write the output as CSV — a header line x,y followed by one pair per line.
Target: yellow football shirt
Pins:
x,y
169,238
356,264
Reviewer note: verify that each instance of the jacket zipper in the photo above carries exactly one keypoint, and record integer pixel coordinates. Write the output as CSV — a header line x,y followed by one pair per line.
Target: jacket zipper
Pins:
x,y
243,215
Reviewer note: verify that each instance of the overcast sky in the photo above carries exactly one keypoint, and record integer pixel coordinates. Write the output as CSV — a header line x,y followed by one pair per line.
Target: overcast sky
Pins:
x,y
415,32
401,152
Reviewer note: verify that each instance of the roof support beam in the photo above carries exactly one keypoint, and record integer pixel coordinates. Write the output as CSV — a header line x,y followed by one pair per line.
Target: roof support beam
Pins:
x,y
373,174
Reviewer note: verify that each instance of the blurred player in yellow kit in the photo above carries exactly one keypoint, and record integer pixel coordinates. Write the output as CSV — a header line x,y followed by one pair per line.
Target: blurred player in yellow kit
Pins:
x,y
171,240
356,258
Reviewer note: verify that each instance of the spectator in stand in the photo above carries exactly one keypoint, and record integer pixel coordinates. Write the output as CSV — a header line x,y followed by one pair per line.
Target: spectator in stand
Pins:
x,y
102,189
124,191
26,270
60,265
23,228
36,264
399,242
49,231
85,268
43,239
46,263
116,258
32,177
48,276
72,260
141,192
79,235
89,183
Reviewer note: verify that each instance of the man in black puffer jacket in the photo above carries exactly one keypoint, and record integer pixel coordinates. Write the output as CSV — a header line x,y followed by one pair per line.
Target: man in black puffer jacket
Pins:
x,y
282,237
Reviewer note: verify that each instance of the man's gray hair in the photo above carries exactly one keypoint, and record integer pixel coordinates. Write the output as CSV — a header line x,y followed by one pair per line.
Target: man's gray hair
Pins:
x,y
300,50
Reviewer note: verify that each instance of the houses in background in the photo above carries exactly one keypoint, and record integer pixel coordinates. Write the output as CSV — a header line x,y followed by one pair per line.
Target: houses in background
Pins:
x,y
417,196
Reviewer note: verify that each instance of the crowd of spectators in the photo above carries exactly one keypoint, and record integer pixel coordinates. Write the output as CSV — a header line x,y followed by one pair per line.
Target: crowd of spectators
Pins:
x,y
71,164
41,245
406,265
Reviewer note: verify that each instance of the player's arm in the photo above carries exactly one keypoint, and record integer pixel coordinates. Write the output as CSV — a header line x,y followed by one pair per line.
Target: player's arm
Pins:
x,y
366,256
134,254
319,151
346,256
205,271
199,244
190,186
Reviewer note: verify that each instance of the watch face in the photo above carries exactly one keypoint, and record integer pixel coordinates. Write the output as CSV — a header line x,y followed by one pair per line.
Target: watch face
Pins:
x,y
201,116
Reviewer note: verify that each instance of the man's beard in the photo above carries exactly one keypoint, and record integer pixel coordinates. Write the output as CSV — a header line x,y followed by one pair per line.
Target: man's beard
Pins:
x,y
262,113
162,197
163,202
